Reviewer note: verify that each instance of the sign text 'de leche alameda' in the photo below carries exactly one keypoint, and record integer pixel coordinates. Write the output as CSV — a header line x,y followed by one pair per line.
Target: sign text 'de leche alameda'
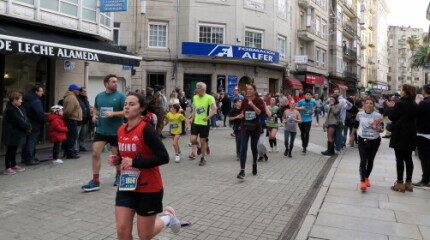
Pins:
x,y
21,47
229,51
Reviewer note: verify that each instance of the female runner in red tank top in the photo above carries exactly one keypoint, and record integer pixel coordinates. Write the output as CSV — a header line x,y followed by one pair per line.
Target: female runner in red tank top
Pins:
x,y
141,188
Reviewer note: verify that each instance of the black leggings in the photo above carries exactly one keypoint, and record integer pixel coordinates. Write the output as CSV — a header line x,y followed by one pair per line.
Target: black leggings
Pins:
x,y
10,157
305,128
244,137
404,157
367,149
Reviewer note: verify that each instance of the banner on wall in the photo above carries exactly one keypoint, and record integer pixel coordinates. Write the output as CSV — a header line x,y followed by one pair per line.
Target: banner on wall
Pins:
x,y
232,84
113,5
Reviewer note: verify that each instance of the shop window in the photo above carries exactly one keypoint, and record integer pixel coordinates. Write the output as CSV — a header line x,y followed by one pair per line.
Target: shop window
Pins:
x,y
209,33
156,79
253,38
157,37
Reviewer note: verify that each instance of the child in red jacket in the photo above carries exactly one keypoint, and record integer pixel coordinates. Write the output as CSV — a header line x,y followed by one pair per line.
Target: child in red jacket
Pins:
x,y
56,131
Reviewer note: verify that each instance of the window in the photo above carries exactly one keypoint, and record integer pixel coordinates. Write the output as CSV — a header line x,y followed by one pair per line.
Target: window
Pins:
x,y
317,57
156,79
281,46
318,25
323,58
69,7
157,37
89,10
211,34
253,38
400,78
116,27
105,19
324,28
31,2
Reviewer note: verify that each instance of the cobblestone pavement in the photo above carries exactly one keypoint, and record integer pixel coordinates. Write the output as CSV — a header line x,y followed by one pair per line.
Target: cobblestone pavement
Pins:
x,y
46,202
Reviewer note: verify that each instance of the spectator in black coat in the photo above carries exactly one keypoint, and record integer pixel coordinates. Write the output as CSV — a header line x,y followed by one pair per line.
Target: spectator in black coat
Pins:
x,y
32,103
423,137
403,115
86,116
183,102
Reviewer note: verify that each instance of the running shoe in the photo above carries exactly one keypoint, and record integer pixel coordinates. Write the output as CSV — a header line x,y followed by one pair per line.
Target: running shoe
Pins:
x,y
367,181
202,162
174,224
192,156
91,186
199,150
117,180
57,161
363,186
18,169
276,149
266,158
177,158
232,134
260,159
9,171
254,169
241,175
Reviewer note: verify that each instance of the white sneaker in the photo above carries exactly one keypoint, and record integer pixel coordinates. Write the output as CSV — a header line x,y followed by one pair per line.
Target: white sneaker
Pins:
x,y
177,158
57,161
174,223
270,150
276,149
317,124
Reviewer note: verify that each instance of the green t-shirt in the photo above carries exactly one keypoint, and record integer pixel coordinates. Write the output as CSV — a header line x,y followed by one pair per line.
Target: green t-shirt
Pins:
x,y
201,108
107,103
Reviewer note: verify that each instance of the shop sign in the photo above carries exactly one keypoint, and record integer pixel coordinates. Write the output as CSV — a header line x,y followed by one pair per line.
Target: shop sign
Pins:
x,y
232,84
312,79
126,67
383,87
22,47
113,5
229,51
301,59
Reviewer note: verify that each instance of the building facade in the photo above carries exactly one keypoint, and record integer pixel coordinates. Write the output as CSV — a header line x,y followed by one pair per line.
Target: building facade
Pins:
x,y
374,59
54,44
311,50
238,42
399,55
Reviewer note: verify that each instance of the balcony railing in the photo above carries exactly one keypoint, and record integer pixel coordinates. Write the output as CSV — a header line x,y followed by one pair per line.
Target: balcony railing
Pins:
x,y
347,74
305,66
349,29
348,52
306,34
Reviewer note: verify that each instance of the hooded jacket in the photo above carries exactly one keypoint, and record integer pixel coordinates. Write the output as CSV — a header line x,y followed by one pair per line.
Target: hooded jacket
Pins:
x,y
33,106
57,128
71,108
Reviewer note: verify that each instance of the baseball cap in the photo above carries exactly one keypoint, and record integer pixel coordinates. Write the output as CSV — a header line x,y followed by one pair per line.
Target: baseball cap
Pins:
x,y
74,87
56,108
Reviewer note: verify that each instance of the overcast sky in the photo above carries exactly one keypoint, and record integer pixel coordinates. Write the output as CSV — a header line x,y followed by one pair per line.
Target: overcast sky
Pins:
x,y
408,13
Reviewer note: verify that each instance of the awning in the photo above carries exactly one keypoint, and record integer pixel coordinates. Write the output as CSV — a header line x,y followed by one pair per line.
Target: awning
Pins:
x,y
292,83
340,85
34,39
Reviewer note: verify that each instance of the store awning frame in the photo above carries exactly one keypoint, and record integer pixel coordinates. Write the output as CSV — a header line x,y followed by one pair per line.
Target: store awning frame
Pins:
x,y
292,83
30,39
340,85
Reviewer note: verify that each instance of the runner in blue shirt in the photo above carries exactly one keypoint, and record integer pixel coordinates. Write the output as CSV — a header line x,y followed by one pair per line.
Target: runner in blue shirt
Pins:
x,y
306,107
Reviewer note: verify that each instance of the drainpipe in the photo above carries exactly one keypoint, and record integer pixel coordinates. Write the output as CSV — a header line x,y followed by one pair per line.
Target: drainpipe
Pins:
x,y
175,67
86,74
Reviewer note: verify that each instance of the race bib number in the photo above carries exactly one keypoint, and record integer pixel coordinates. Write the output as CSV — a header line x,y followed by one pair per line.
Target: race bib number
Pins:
x,y
307,111
250,115
270,120
368,133
105,109
128,180
291,121
173,126
200,110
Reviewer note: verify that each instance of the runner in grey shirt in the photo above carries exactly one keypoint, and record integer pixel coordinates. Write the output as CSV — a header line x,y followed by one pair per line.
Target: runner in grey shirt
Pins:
x,y
291,119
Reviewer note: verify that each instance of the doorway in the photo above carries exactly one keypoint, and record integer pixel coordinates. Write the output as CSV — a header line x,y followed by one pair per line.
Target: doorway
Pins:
x,y
190,81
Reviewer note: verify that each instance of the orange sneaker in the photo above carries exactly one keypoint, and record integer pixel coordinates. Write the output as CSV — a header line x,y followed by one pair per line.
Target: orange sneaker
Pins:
x,y
363,186
367,182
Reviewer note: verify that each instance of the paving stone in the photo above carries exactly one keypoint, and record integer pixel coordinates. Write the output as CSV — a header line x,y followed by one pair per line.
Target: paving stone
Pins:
x,y
358,211
333,233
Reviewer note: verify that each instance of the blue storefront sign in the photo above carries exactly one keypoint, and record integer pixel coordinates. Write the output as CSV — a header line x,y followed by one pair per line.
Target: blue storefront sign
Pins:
x,y
229,51
232,84
113,5
126,67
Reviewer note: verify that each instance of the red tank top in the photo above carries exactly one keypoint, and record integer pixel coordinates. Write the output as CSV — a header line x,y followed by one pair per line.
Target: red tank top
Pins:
x,y
132,145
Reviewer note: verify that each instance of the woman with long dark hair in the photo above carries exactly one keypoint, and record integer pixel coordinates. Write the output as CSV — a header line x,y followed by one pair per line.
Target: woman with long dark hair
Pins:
x,y
403,115
141,188
252,108
331,123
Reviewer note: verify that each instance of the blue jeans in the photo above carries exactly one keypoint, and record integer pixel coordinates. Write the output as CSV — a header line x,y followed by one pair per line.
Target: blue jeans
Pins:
x,y
28,153
213,120
82,135
72,136
244,136
340,138
289,137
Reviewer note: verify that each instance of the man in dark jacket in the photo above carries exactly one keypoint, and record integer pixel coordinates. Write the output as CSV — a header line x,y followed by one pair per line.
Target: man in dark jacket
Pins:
x,y
423,137
86,115
32,103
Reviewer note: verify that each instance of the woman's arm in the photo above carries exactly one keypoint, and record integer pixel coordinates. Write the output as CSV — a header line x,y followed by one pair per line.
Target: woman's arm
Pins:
x,y
154,143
